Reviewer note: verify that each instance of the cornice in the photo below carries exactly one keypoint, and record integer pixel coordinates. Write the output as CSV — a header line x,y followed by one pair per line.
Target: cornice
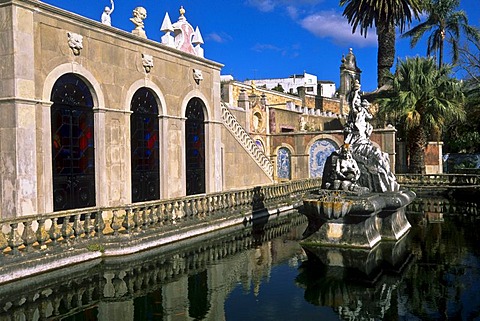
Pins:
x,y
95,26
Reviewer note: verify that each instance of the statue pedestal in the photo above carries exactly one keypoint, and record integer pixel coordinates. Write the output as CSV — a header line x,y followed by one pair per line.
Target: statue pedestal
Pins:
x,y
358,232
366,220
140,33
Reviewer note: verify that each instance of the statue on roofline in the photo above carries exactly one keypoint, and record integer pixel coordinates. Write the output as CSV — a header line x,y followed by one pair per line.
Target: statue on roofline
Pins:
x,y
106,19
139,14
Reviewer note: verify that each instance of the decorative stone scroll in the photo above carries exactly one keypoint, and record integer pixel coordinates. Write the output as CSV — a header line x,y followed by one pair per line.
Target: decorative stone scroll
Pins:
x,y
75,42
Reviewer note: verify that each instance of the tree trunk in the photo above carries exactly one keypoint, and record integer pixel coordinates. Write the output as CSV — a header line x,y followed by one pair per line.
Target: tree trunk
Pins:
x,y
440,50
416,143
386,51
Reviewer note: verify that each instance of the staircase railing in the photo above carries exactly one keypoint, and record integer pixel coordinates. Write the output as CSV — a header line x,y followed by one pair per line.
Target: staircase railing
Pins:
x,y
246,141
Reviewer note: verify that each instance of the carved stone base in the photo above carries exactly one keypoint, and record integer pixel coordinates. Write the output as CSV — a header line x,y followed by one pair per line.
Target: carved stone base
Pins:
x,y
387,255
359,233
370,219
140,33
393,225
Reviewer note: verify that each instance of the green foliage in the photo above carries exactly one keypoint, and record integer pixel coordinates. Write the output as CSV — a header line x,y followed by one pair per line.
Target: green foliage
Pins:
x,y
385,15
443,23
279,88
364,14
464,136
96,247
424,99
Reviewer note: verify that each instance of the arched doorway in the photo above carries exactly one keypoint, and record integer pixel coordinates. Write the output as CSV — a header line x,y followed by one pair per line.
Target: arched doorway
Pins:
x,y
72,144
284,163
144,146
195,147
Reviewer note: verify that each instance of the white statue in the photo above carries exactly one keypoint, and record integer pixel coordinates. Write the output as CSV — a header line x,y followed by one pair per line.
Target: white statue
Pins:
x,y
106,20
139,14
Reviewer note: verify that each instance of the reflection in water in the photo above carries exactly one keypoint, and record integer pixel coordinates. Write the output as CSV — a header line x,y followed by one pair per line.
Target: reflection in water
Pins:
x,y
433,273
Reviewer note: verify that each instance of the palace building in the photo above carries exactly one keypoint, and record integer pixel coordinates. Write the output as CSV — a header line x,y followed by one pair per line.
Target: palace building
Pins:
x,y
94,116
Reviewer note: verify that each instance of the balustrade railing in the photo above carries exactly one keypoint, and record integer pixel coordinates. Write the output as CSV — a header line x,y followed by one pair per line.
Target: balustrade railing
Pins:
x,y
113,282
36,233
439,180
246,141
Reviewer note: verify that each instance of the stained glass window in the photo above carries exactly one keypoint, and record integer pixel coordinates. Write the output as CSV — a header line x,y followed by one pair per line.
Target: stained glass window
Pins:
x,y
144,146
195,147
72,144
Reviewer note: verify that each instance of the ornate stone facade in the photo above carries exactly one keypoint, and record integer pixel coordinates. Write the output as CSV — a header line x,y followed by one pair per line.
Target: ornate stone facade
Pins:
x,y
45,51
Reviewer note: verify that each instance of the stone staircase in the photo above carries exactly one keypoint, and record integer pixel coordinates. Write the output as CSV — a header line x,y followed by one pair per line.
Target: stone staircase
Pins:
x,y
246,141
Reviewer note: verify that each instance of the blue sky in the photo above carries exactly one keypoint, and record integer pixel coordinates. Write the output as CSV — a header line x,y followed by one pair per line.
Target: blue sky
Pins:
x,y
265,38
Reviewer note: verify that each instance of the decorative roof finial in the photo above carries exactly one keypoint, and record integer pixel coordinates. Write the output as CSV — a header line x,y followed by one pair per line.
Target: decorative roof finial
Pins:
x,y
182,11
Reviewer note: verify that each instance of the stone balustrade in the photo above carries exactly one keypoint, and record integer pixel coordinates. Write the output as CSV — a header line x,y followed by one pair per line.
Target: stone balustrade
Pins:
x,y
121,279
246,141
33,235
439,180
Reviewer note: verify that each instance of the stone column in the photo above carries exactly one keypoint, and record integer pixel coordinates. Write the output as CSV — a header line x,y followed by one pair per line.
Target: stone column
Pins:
x,y
118,311
175,298
18,145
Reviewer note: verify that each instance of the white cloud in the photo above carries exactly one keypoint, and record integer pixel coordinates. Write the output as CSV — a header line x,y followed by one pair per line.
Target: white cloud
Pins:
x,y
262,5
261,47
270,5
218,37
331,25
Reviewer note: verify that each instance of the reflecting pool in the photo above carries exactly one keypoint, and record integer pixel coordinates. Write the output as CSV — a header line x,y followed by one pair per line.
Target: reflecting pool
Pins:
x,y
262,273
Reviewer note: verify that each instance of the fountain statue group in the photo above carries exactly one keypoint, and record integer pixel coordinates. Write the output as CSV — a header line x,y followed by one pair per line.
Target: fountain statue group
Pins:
x,y
360,202
358,166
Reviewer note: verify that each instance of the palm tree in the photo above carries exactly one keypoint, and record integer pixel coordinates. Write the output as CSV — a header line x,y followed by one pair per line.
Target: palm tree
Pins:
x,y
424,98
385,15
444,23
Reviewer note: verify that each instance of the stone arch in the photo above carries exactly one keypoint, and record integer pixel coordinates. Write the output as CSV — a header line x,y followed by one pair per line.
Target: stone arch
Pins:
x,y
81,72
45,141
197,94
162,106
73,132
144,143
162,144
318,150
195,147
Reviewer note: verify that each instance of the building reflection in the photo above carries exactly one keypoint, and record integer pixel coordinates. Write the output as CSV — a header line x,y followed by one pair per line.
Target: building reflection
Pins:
x,y
178,284
357,283
431,273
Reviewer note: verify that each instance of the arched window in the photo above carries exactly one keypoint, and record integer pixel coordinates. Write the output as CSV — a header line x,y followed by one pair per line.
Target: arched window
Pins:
x,y
72,144
319,151
284,163
144,143
195,147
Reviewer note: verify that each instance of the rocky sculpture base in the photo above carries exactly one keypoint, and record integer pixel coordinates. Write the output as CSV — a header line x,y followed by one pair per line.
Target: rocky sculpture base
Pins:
x,y
345,220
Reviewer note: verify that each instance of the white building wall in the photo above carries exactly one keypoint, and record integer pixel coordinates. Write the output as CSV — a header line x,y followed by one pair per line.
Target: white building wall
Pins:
x,y
291,83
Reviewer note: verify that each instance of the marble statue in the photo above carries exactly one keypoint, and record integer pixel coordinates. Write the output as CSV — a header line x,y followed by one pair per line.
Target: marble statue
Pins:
x,y
360,202
106,19
343,172
139,14
374,165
